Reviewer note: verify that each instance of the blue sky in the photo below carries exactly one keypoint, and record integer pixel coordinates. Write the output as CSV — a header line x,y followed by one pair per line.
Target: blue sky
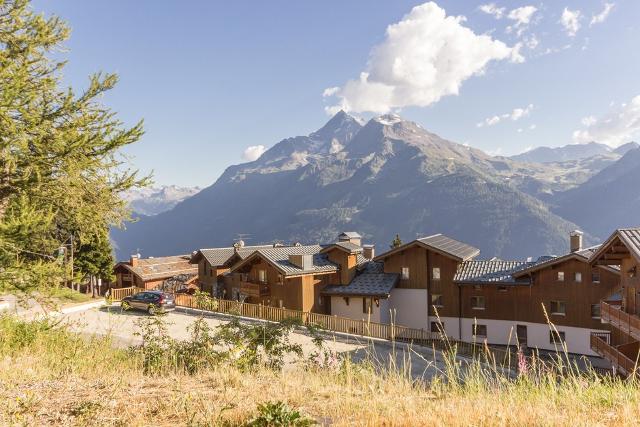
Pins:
x,y
213,78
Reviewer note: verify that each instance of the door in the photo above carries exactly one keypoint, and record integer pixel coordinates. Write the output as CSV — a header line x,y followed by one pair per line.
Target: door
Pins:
x,y
138,300
521,333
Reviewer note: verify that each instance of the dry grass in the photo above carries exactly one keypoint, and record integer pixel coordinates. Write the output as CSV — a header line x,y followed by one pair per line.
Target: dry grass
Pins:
x,y
49,376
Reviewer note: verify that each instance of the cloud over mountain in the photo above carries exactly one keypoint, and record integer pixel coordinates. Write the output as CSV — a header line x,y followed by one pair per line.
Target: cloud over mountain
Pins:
x,y
253,152
425,56
615,128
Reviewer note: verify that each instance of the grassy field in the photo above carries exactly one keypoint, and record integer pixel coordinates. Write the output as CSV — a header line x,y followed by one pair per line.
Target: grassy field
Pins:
x,y
49,376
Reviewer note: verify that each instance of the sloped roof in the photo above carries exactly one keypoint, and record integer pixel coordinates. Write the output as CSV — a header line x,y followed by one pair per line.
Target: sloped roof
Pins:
x,y
349,247
350,235
439,243
220,256
373,281
548,261
279,258
161,267
629,237
494,271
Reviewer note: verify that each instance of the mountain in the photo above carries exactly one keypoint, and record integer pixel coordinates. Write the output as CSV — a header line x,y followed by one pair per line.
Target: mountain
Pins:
x,y
154,200
609,200
385,177
625,148
562,154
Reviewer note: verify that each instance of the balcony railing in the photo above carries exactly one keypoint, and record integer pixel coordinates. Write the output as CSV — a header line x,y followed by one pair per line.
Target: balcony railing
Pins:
x,y
611,312
600,344
255,290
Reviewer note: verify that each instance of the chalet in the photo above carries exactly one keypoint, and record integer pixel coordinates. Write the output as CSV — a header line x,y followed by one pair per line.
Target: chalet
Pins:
x,y
295,276
443,287
621,346
214,263
152,273
425,290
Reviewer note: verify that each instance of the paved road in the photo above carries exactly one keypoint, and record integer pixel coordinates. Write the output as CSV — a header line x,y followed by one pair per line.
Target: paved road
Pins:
x,y
122,326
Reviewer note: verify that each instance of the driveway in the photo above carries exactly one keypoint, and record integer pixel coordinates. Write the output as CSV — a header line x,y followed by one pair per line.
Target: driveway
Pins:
x,y
121,326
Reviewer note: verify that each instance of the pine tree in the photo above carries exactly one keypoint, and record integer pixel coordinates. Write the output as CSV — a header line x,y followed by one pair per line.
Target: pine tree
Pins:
x,y
396,242
60,171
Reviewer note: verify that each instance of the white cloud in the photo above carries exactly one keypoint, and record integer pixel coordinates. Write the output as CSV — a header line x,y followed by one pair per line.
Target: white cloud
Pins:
x,y
570,20
253,152
492,9
522,17
514,115
600,18
425,56
532,127
617,127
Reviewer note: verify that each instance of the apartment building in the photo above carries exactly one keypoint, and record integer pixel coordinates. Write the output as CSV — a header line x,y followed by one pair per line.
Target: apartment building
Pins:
x,y
622,344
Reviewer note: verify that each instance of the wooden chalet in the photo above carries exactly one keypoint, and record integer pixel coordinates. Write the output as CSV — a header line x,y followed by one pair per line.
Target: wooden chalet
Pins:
x,y
153,272
621,346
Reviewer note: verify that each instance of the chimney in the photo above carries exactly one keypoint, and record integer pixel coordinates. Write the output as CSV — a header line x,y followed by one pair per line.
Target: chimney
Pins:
x,y
238,245
369,251
351,237
133,261
304,262
575,240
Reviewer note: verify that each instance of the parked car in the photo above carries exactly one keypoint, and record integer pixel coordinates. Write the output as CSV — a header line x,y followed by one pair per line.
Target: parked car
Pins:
x,y
150,301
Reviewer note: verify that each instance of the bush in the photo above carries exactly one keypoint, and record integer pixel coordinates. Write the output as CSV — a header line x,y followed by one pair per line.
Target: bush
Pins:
x,y
276,414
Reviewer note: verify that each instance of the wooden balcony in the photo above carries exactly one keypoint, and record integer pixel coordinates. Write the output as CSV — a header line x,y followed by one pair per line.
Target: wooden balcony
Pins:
x,y
625,365
255,290
611,312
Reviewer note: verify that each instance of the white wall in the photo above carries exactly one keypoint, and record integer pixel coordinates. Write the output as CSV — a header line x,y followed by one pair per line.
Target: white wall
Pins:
x,y
410,307
451,325
503,332
354,311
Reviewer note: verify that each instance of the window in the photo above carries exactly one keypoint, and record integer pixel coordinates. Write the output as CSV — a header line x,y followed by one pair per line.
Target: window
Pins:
x,y
477,303
560,276
366,305
595,276
319,300
477,287
405,273
262,276
435,273
578,277
595,311
437,327
436,300
502,289
556,337
479,330
558,308
280,279
280,303
346,300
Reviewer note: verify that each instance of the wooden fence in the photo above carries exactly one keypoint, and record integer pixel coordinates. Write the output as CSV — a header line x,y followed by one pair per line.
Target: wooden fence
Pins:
x,y
505,357
116,294
502,357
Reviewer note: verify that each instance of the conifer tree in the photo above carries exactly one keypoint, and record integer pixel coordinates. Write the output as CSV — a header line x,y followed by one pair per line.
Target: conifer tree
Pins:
x,y
61,174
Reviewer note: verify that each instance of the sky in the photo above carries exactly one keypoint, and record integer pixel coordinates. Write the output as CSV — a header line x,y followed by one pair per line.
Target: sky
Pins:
x,y
218,82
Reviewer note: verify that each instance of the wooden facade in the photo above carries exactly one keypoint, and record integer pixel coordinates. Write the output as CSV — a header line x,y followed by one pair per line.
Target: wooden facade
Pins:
x,y
524,303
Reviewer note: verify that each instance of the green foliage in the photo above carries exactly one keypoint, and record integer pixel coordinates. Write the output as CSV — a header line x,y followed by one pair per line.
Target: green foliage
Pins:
x,y
60,171
95,256
396,242
243,346
276,414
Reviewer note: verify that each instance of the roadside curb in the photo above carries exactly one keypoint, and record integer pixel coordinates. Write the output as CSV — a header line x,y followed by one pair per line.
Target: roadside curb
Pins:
x,y
81,307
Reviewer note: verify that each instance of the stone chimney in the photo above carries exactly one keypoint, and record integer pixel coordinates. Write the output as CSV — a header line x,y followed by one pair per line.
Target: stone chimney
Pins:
x,y
133,261
369,251
575,240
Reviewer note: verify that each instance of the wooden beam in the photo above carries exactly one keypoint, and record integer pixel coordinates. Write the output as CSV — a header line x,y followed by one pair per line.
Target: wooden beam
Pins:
x,y
607,262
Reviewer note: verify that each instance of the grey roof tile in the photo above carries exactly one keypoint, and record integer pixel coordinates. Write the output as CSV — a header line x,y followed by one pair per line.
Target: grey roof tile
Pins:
x,y
372,281
450,246
494,271
279,256
220,256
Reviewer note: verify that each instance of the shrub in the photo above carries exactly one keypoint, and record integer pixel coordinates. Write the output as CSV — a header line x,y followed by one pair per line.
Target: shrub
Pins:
x,y
276,414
